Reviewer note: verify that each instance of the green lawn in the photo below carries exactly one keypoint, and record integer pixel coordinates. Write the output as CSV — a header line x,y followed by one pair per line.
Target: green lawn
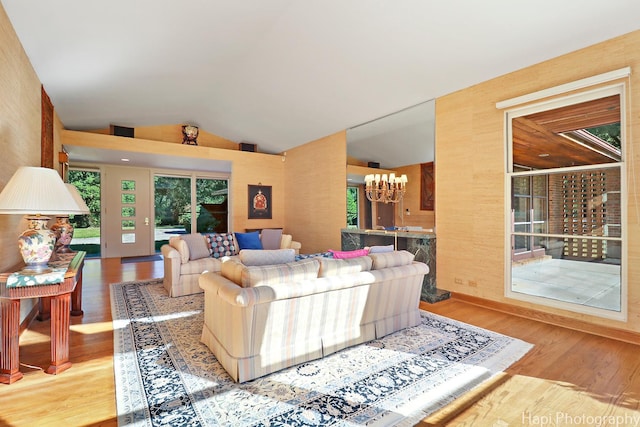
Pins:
x,y
86,232
94,249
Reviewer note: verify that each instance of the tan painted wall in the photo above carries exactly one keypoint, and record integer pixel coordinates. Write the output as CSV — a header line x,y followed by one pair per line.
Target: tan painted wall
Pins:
x,y
316,189
314,219
247,168
470,158
20,123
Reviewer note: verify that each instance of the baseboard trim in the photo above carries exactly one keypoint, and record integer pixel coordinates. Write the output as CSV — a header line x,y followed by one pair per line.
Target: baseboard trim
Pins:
x,y
553,319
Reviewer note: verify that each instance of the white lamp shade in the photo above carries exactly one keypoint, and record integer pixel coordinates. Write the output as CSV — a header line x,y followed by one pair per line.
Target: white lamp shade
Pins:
x,y
84,209
36,190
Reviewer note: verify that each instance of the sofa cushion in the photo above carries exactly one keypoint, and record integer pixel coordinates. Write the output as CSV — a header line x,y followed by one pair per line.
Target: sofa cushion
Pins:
x,y
391,259
270,238
381,249
197,246
221,244
280,273
249,240
251,257
349,254
338,267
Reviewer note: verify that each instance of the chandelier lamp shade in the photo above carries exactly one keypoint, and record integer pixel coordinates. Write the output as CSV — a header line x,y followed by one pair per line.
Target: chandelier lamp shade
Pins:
x,y
37,192
385,188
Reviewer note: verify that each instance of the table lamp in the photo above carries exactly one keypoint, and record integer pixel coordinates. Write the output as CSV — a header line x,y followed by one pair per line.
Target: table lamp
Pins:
x,y
37,192
62,227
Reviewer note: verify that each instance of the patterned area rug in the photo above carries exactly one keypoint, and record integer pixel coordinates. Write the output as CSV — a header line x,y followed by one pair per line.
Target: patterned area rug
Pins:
x,y
165,376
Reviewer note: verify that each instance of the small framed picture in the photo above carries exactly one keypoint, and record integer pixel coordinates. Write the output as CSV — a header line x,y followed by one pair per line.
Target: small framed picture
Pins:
x,y
259,202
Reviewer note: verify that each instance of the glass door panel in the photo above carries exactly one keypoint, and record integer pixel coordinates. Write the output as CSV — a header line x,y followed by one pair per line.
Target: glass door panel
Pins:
x,y
172,197
86,236
212,205
188,204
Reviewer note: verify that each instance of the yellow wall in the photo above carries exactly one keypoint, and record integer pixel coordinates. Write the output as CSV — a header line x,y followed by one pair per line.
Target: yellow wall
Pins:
x,y
20,123
470,158
308,183
247,168
316,189
19,128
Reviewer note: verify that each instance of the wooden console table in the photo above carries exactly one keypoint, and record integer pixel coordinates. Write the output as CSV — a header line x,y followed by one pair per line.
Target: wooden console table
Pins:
x,y
44,303
59,295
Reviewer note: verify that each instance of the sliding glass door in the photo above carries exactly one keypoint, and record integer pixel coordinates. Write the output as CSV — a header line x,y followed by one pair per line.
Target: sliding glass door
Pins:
x,y
189,204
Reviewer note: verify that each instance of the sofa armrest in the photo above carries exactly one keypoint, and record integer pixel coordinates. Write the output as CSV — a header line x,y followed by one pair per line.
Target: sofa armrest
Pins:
x,y
171,266
169,251
295,246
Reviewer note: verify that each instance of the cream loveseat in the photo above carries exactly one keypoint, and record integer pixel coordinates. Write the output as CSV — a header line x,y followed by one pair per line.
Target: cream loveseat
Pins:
x,y
262,318
189,255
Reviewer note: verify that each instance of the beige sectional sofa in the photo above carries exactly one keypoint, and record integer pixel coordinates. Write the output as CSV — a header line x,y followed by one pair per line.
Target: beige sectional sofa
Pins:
x,y
186,257
263,318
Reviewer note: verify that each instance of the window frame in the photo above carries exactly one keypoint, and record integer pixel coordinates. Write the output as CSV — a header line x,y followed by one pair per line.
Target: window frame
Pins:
x,y
561,99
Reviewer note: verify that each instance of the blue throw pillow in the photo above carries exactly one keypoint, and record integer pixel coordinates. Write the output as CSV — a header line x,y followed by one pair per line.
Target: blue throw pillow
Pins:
x,y
249,240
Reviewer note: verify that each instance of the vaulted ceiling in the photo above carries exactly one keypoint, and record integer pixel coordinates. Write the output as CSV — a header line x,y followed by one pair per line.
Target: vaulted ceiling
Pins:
x,y
279,73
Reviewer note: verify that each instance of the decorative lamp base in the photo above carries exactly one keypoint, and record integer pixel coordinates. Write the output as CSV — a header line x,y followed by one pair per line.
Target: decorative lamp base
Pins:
x,y
36,245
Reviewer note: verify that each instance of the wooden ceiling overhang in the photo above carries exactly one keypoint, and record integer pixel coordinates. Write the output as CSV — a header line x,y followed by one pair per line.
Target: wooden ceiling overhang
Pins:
x,y
538,141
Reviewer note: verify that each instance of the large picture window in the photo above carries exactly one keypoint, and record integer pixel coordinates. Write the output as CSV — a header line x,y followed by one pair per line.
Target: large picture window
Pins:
x,y
565,214
189,204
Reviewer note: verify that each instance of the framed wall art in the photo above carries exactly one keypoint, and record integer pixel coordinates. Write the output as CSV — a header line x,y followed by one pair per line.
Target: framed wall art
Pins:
x,y
427,187
46,142
259,201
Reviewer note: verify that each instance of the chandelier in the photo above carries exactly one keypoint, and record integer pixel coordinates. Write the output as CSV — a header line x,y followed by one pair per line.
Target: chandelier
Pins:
x,y
381,189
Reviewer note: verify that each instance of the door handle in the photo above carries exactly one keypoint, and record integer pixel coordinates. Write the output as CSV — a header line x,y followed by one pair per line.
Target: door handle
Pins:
x,y
146,221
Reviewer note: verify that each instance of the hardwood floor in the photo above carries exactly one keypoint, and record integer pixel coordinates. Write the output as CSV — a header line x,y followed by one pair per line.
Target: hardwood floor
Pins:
x,y
569,378
84,395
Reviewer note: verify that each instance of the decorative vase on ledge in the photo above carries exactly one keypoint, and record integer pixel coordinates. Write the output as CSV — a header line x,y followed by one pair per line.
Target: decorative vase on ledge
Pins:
x,y
63,230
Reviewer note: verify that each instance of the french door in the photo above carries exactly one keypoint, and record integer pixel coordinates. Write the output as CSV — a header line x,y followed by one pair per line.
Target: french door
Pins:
x,y
127,219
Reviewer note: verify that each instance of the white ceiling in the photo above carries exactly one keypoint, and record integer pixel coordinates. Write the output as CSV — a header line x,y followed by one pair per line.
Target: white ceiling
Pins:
x,y
279,73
